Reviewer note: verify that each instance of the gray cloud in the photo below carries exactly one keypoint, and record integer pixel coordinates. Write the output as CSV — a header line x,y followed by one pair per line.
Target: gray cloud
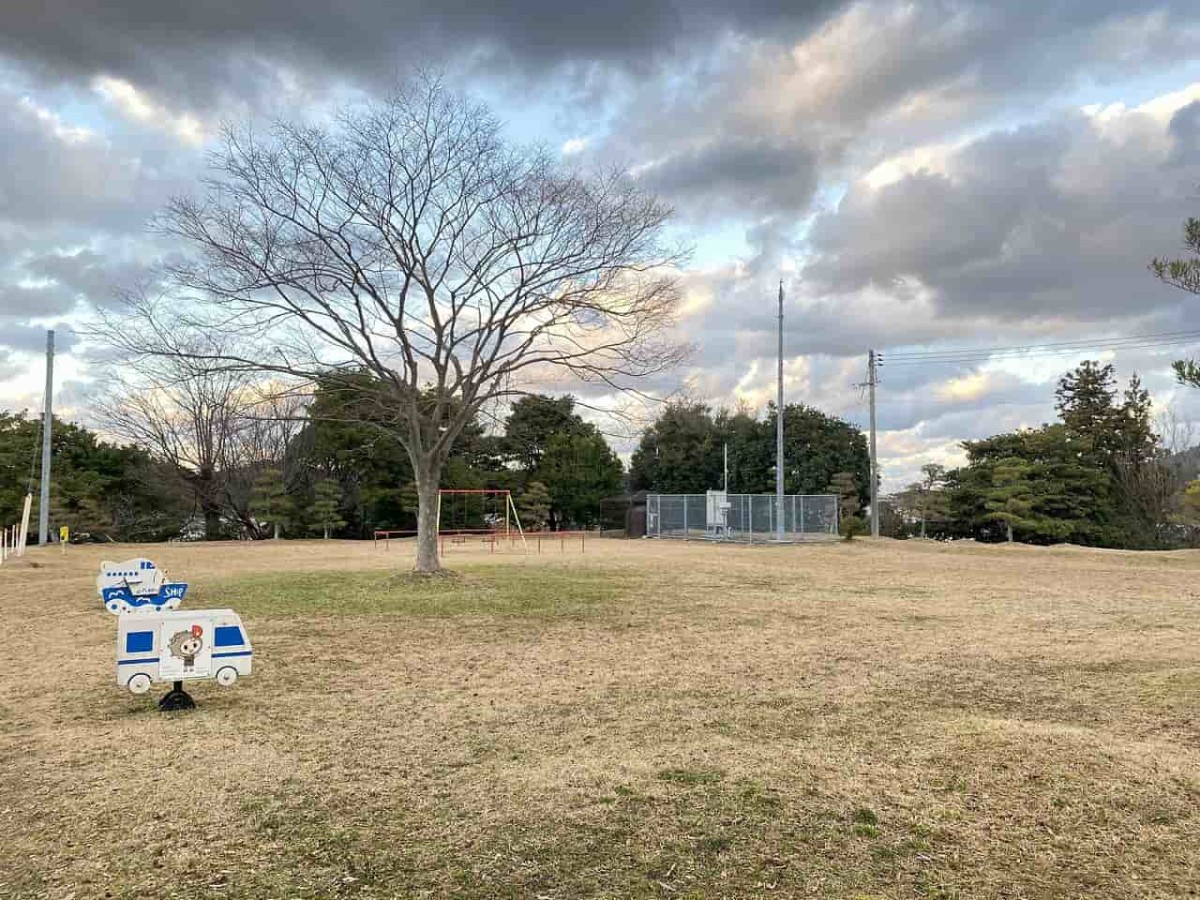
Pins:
x,y
16,299
30,339
874,77
754,175
1051,221
73,207
192,49
58,176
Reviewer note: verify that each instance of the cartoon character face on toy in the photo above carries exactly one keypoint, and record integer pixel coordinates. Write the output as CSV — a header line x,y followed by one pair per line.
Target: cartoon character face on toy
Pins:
x,y
186,644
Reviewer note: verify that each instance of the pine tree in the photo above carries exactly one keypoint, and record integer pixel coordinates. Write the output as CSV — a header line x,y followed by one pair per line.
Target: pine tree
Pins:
x,y
1010,499
845,487
326,507
270,502
534,506
1086,403
1138,440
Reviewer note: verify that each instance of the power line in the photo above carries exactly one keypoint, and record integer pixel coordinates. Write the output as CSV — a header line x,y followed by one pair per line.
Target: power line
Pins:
x,y
1167,335
1057,348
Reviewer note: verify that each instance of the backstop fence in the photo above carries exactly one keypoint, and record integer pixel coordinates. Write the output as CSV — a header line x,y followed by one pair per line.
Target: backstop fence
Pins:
x,y
748,518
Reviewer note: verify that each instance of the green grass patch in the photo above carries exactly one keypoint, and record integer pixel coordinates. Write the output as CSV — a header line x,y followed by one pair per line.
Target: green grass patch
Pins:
x,y
510,592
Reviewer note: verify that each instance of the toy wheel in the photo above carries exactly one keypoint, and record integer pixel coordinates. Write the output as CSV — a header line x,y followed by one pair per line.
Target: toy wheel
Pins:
x,y
226,676
138,683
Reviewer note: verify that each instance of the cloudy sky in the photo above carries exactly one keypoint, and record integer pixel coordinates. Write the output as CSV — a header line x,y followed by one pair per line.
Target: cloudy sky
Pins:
x,y
923,176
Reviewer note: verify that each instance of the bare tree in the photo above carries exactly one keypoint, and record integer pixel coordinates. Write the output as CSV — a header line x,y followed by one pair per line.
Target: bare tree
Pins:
x,y
411,242
270,417
186,416
1153,483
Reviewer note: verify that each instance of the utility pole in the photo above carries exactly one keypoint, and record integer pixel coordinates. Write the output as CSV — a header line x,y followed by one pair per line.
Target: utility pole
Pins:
x,y
47,423
872,380
725,478
779,431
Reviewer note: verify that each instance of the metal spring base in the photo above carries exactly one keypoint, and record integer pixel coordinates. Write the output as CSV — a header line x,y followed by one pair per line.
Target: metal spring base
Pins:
x,y
176,699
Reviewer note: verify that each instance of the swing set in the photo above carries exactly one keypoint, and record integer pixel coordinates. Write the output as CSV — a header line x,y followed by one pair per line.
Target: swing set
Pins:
x,y
489,515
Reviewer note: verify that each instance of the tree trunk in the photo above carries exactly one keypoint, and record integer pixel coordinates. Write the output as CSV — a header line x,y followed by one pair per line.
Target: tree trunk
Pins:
x,y
204,489
212,522
276,531
428,482
326,532
1008,526
922,526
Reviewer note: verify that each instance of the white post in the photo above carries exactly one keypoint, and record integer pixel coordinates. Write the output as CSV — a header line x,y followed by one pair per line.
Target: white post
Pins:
x,y
516,518
23,540
872,378
779,432
47,426
685,524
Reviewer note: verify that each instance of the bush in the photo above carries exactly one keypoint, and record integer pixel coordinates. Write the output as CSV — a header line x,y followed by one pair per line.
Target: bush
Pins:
x,y
852,527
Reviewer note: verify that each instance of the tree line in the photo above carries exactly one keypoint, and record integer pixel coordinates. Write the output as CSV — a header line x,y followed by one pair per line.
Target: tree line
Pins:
x,y
1098,476
224,462
687,450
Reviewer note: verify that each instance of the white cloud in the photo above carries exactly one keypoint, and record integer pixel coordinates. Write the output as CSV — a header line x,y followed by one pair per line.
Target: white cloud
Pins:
x,y
137,106
574,146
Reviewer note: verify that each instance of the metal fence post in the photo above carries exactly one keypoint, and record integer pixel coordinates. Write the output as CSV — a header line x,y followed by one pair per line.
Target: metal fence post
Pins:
x,y
685,522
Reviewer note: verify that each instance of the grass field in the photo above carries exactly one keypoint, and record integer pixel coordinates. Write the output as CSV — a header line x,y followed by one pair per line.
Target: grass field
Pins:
x,y
646,720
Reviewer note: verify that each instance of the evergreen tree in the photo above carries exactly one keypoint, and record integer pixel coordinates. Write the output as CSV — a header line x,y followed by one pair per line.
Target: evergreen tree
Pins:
x,y
844,485
683,451
1184,273
326,507
1009,498
98,489
533,422
269,500
1038,485
579,471
1086,405
550,443
533,505
1138,442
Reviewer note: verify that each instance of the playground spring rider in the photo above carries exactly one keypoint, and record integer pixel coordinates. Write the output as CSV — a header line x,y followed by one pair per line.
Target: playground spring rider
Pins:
x,y
158,643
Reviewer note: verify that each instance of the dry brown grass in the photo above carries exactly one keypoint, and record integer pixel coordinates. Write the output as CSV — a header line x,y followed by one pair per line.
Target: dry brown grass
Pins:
x,y
649,719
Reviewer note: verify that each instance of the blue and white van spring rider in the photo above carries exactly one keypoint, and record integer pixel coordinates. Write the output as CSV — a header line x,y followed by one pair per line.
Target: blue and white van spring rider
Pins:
x,y
158,643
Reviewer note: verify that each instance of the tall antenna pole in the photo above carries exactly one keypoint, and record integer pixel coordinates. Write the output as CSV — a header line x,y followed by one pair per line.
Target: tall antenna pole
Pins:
x,y
47,422
779,431
872,379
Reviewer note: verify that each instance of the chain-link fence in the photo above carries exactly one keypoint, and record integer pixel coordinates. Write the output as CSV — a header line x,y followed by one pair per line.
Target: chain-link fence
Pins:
x,y
749,518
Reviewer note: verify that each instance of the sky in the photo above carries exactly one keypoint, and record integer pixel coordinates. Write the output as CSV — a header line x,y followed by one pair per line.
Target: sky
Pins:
x,y
922,176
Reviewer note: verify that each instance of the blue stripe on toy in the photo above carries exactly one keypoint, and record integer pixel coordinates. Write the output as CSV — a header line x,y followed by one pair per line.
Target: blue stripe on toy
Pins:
x,y
234,653
130,662
175,590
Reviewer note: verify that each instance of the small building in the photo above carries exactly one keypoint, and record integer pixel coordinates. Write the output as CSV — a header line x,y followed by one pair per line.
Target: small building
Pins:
x,y
624,515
